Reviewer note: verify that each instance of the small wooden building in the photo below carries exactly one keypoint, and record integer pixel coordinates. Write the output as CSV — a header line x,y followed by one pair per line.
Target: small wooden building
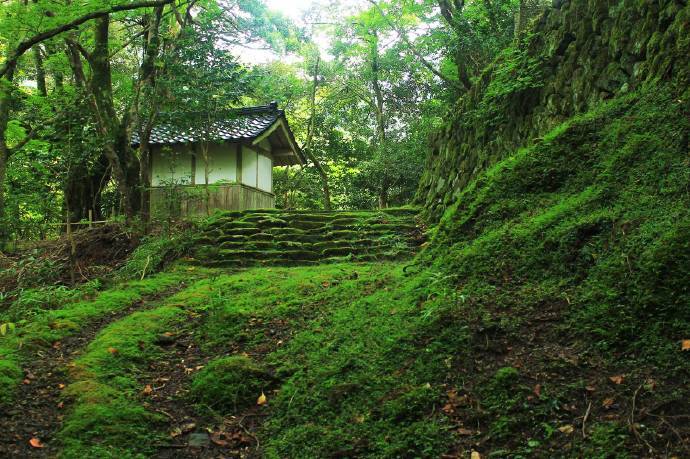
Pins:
x,y
235,158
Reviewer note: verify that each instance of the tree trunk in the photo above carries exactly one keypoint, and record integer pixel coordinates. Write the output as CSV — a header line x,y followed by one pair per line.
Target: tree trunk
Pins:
x,y
145,179
40,71
378,92
4,156
145,107
383,196
5,101
310,139
125,168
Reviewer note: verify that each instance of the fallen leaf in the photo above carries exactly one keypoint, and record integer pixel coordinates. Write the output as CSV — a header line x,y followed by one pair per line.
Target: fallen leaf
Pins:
x,y
325,284
590,388
36,443
463,431
57,344
685,345
475,455
537,390
186,428
617,379
448,408
217,440
176,432
112,350
26,381
61,405
148,390
61,386
607,403
262,399
567,429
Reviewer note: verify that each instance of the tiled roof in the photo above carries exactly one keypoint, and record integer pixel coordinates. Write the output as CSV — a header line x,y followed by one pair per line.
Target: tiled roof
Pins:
x,y
243,124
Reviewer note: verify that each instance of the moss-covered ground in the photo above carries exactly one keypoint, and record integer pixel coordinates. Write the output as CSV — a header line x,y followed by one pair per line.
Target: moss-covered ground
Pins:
x,y
545,319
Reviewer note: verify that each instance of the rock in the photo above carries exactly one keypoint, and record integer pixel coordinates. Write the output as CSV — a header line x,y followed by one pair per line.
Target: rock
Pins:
x,y
199,440
166,339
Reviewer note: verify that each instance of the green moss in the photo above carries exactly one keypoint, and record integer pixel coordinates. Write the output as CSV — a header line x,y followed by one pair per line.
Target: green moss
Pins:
x,y
106,412
230,383
53,325
10,377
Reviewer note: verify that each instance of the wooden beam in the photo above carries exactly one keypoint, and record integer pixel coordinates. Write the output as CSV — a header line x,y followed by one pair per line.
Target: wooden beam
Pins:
x,y
268,132
258,148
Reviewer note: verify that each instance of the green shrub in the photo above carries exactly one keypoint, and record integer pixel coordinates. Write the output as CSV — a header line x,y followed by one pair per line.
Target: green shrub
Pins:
x,y
154,253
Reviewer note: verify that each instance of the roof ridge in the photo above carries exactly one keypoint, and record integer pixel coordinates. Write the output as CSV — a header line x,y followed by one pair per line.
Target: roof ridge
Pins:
x,y
271,107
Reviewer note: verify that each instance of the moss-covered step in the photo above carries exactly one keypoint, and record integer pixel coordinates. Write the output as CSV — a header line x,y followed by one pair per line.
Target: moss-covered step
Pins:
x,y
289,237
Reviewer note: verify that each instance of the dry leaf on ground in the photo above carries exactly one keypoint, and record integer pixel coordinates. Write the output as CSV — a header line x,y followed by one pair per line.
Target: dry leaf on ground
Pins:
x,y
567,429
617,379
36,443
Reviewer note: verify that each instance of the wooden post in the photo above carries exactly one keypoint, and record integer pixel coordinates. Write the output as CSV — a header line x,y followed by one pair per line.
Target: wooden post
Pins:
x,y
73,249
90,218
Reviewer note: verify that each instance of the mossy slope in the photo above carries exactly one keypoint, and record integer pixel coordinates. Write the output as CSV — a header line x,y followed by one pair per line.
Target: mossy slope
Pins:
x,y
557,286
571,259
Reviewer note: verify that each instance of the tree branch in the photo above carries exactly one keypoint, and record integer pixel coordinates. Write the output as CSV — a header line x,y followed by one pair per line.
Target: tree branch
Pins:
x,y
412,47
28,138
25,45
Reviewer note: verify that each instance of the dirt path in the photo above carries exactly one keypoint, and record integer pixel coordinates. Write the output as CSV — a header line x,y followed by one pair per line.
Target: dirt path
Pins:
x,y
199,433
38,410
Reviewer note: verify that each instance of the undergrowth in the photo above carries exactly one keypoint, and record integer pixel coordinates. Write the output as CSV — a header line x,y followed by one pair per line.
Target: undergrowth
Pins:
x,y
42,327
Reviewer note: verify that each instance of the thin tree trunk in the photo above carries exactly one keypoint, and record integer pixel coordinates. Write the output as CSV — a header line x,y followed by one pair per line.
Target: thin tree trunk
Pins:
x,y
310,139
383,197
40,71
380,114
75,63
145,119
5,96
378,92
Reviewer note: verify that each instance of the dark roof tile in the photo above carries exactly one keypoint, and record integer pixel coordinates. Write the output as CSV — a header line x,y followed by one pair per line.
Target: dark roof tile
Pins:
x,y
244,124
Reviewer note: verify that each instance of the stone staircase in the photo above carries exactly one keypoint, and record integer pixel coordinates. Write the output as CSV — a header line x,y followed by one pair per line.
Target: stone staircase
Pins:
x,y
276,237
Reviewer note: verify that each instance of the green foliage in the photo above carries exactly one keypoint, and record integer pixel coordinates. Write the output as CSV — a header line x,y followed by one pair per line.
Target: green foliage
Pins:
x,y
29,302
154,253
228,384
515,75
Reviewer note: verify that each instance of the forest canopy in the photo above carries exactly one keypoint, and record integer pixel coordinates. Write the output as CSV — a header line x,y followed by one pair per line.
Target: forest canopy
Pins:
x,y
362,91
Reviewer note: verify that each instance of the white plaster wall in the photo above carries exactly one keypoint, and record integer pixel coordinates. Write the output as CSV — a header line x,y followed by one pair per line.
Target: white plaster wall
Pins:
x,y
249,166
171,164
265,174
222,162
